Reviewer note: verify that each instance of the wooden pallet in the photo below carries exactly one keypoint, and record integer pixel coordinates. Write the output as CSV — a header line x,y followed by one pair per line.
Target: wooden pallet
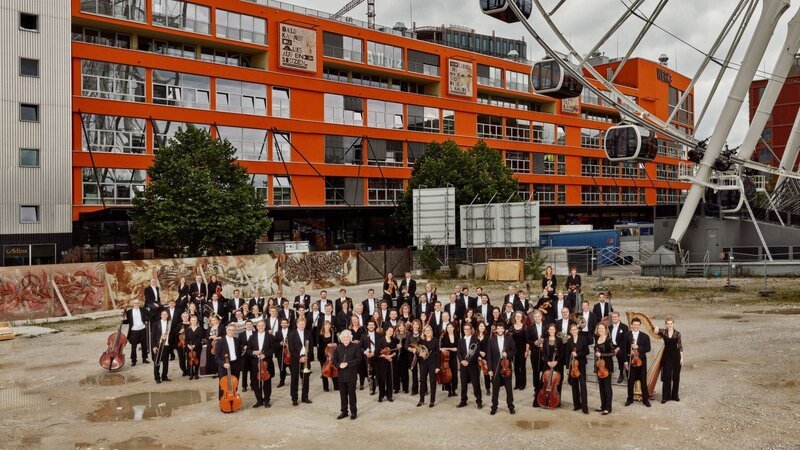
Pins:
x,y
6,332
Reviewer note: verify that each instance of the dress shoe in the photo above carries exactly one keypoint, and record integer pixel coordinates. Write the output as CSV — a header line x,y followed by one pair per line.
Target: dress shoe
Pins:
x,y
267,404
405,391
536,404
390,399
586,411
396,391
342,416
158,381
371,392
361,388
598,410
294,403
461,405
646,403
353,416
676,399
172,357
244,388
257,404
493,412
621,377
663,401
133,363
281,384
380,399
166,379
512,411
431,405
307,401
629,403
605,413
576,408
414,392
480,405
144,361
420,403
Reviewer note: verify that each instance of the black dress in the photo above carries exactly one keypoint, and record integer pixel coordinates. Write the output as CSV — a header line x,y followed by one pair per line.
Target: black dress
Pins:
x,y
553,284
520,342
452,386
322,344
671,365
606,350
553,352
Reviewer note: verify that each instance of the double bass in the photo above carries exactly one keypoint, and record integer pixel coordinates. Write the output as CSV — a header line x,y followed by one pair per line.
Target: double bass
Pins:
x,y
114,357
230,400
445,375
328,370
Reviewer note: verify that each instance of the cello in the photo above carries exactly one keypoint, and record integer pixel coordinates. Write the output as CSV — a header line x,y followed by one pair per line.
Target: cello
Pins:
x,y
445,375
328,370
114,357
230,400
548,395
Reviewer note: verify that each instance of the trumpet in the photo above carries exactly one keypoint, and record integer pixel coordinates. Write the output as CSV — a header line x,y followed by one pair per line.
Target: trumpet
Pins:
x,y
307,368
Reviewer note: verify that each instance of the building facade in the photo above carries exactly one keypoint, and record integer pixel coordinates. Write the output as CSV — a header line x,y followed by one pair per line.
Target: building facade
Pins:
x,y
329,117
35,155
467,39
770,148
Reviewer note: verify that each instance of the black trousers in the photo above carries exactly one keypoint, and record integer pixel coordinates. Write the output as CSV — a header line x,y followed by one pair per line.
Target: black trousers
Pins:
x,y
262,389
670,380
347,396
537,368
487,380
397,374
498,381
297,371
621,361
138,337
579,391
161,363
427,377
415,379
471,375
639,373
236,370
325,383
284,368
362,371
520,371
384,377
247,367
182,360
606,394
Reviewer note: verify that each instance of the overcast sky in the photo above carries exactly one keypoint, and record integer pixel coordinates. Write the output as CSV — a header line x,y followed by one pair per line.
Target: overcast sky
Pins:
x,y
696,22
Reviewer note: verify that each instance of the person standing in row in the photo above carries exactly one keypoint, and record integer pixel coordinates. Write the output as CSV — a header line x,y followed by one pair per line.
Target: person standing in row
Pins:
x,y
501,348
604,350
231,348
534,339
299,342
618,333
136,319
672,361
468,354
261,347
347,357
160,330
193,336
577,347
429,366
639,345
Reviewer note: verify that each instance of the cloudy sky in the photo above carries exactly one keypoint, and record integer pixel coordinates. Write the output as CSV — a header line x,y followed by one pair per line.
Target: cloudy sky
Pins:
x,y
696,22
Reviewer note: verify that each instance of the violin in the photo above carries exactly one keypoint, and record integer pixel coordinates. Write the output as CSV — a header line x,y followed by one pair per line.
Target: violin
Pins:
x,y
263,370
636,361
230,400
574,369
114,357
600,368
445,375
192,358
181,341
287,357
328,370
505,367
484,366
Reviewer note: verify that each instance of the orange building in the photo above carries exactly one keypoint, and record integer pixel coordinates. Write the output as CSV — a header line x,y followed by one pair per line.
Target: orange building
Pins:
x,y
329,116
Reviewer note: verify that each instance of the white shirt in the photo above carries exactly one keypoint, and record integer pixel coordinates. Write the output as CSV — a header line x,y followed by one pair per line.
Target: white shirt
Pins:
x,y
372,341
423,306
274,323
559,305
586,321
247,334
136,314
635,336
171,313
315,316
231,348
164,325
215,305
261,337
539,329
466,341
500,342
602,309
155,291
452,310
328,318
301,333
429,295
371,305
565,325
437,316
485,311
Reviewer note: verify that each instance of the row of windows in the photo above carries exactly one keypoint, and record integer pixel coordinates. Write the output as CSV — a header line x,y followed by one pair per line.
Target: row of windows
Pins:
x,y
372,80
346,110
544,164
545,194
597,167
350,191
380,152
612,195
520,130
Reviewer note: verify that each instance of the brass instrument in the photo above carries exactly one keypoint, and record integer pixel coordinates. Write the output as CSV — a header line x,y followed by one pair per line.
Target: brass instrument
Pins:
x,y
307,368
420,350
210,312
472,349
563,336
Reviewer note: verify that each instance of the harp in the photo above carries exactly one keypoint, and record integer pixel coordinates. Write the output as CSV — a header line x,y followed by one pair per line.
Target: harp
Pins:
x,y
654,368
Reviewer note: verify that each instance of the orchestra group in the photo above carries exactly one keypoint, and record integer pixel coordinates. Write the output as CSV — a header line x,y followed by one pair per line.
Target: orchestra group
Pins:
x,y
401,340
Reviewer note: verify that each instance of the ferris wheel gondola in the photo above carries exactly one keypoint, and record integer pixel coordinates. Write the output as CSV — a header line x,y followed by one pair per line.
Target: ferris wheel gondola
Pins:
x,y
628,142
549,78
499,9
729,195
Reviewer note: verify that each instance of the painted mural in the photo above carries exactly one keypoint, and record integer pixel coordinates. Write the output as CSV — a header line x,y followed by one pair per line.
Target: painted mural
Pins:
x,y
28,292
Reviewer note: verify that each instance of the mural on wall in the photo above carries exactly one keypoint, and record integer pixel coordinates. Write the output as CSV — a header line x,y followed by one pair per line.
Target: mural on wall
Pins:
x,y
319,270
27,292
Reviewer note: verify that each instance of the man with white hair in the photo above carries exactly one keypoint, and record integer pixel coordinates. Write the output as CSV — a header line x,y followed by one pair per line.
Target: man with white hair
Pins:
x,y
347,358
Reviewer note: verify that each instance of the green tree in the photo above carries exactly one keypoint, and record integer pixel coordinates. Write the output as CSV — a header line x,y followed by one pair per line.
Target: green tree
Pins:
x,y
199,199
478,170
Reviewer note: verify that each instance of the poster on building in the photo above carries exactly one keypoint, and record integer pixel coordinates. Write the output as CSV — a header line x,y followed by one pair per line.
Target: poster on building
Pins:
x,y
298,48
571,105
460,78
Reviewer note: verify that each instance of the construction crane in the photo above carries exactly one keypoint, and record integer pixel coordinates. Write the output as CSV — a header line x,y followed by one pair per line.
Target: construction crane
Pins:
x,y
352,4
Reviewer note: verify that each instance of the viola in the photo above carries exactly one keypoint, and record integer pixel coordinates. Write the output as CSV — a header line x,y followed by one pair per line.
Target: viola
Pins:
x,y
548,396
181,341
600,368
263,370
230,400
192,358
574,369
328,370
484,366
505,367
287,357
445,375
114,357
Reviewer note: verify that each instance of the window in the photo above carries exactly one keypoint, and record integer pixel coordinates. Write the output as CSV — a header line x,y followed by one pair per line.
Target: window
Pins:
x,y
518,162
101,37
344,191
590,98
516,81
29,67
518,130
629,169
343,150
490,76
685,114
448,121
112,81
121,9
330,74
241,27
342,47
508,102
384,191
281,191
590,195
424,63
630,196
545,193
376,81
382,114
590,138
590,167
164,130
218,56
113,134
610,169
251,144
117,186
344,110
28,22
666,172
384,55
549,164
544,133
181,15
261,184
524,191
29,214
610,195
669,149
490,127
599,117
423,119
181,89
282,147
167,48
28,112
381,152
415,151
280,103
29,157
241,96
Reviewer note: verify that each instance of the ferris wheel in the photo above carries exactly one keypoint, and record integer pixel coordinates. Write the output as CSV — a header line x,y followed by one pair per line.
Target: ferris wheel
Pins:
x,y
718,172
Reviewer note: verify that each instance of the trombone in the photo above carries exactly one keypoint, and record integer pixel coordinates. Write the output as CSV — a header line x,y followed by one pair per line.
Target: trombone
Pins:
x,y
307,368
210,312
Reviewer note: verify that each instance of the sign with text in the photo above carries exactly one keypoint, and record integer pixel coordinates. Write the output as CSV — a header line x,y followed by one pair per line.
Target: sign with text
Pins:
x,y
459,78
298,48
571,105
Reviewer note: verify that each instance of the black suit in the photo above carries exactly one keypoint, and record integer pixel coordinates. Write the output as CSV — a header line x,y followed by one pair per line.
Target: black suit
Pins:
x,y
262,389
592,324
247,358
608,309
337,305
281,336
290,315
160,361
221,310
411,286
352,355
555,311
471,302
456,310
493,357
471,373
578,384
366,342
297,345
509,298
198,287
367,311
305,300
531,336
260,301
417,311
138,337
639,373
153,302
519,306
488,314
563,327
233,305
223,350
619,334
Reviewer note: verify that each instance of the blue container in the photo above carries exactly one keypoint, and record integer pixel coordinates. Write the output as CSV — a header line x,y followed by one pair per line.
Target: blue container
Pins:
x,y
604,242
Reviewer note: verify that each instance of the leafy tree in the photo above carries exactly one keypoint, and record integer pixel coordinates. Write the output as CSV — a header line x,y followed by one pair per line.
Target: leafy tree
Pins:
x,y
199,199
478,170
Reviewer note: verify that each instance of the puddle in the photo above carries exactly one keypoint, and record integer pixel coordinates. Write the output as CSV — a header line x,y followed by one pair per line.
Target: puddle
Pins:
x,y
146,405
108,379
533,424
783,312
731,317
137,443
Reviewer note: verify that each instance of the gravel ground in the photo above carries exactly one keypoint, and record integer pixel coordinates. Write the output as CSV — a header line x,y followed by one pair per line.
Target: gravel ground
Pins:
x,y
739,390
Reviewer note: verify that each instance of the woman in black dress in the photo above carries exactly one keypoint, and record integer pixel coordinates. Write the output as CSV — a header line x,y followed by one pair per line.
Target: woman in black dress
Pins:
x,y
194,335
390,290
449,342
215,287
403,360
482,335
386,354
413,336
357,330
429,367
519,334
576,349
496,317
604,349
549,282
552,349
672,362
326,338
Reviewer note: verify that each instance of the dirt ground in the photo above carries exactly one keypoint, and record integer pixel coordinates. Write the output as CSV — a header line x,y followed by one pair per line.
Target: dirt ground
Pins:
x,y
739,390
